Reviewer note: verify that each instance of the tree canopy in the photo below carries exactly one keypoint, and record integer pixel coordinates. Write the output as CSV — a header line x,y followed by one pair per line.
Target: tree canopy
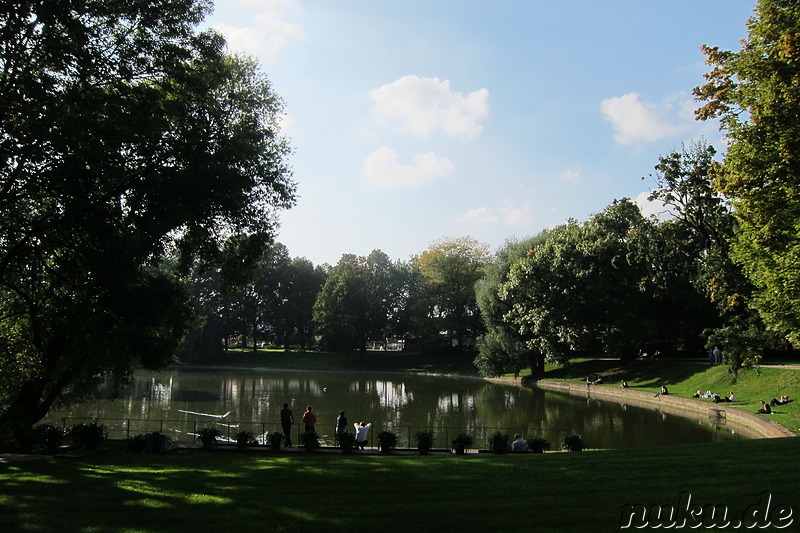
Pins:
x,y
125,137
755,92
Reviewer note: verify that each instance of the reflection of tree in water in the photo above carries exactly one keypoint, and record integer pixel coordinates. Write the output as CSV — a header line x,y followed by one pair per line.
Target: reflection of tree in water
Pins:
x,y
403,403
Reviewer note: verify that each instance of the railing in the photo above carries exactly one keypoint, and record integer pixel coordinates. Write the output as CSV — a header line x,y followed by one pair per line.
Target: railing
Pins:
x,y
185,431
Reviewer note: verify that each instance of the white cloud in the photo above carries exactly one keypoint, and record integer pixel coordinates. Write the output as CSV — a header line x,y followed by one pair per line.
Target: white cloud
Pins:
x,y
383,170
270,30
636,121
425,105
482,216
571,175
506,213
652,207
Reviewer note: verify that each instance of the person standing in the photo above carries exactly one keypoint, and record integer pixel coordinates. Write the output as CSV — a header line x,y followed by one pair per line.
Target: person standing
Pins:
x,y
717,355
287,421
309,420
341,423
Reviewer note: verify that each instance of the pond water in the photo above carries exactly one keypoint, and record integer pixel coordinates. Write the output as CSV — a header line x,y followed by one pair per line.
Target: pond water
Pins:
x,y
179,401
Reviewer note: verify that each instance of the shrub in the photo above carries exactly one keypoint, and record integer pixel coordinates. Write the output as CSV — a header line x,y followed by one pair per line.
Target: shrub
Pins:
x,y
461,442
386,440
498,443
424,441
573,443
89,435
538,445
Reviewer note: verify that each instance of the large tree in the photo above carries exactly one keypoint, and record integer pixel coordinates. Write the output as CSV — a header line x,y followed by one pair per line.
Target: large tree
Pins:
x,y
359,302
756,93
124,135
443,298
582,288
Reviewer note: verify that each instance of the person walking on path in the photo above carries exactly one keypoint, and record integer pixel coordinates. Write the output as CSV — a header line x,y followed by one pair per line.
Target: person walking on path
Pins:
x,y
309,420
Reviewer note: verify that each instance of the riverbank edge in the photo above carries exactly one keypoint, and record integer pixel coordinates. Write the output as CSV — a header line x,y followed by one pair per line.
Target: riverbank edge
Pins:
x,y
749,424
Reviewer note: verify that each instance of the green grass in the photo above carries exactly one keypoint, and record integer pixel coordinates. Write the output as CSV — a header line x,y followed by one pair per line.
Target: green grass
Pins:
x,y
683,378
196,490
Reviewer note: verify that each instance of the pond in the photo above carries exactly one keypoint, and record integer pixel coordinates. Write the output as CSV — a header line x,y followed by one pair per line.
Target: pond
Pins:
x,y
179,401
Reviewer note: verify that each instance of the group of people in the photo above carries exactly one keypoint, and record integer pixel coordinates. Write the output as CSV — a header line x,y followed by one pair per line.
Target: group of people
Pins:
x,y
766,408
310,422
716,397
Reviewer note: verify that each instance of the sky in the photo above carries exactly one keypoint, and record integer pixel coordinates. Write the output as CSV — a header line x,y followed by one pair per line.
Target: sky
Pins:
x,y
413,121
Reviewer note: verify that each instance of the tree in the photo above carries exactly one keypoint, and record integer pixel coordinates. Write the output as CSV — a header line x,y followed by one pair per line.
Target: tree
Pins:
x,y
696,249
755,93
358,302
125,136
502,348
581,289
444,297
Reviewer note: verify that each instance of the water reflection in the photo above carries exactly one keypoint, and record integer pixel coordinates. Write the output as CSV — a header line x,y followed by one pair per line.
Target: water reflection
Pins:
x,y
405,404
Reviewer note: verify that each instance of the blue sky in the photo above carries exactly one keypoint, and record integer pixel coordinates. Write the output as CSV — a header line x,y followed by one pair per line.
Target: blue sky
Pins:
x,y
413,121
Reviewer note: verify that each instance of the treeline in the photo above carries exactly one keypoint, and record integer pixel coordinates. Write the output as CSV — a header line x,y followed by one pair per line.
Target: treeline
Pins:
x,y
618,284
424,304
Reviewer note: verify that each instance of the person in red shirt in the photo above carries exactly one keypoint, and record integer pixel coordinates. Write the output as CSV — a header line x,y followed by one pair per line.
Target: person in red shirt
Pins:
x,y
309,420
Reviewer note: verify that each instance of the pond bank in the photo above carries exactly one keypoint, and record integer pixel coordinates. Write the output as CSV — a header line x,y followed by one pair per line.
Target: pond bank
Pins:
x,y
749,424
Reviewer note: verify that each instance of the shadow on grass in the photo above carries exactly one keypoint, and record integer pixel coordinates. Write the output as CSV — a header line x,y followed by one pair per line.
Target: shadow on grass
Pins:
x,y
646,373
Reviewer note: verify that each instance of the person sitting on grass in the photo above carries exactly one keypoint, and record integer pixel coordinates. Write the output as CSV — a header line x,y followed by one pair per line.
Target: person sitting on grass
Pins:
x,y
697,394
783,401
519,443
765,408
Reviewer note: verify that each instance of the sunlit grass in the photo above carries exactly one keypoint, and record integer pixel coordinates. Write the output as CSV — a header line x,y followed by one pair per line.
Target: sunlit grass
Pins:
x,y
191,490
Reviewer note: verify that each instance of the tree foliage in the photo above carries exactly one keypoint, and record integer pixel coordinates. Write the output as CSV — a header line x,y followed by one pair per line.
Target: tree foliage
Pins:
x,y
124,136
755,92
444,296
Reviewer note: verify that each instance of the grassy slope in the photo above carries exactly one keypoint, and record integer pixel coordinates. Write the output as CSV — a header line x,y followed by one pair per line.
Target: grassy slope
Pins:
x,y
196,490
683,378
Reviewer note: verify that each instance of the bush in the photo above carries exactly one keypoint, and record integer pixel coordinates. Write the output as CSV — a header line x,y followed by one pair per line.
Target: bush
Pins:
x,y
208,436
498,443
89,435
461,442
386,440
155,442
245,439
48,436
573,443
424,441
538,445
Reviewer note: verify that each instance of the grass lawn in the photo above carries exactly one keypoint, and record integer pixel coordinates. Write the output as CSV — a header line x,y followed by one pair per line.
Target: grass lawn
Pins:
x,y
683,378
198,490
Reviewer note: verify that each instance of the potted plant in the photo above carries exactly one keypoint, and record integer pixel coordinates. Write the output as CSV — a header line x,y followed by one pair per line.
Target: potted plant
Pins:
x,y
498,443
461,442
245,439
573,443
386,441
155,442
208,436
49,436
309,440
347,440
89,435
275,439
424,441
538,445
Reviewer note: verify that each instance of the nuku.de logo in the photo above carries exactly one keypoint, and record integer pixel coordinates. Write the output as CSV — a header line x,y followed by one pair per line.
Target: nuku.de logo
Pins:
x,y
685,513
